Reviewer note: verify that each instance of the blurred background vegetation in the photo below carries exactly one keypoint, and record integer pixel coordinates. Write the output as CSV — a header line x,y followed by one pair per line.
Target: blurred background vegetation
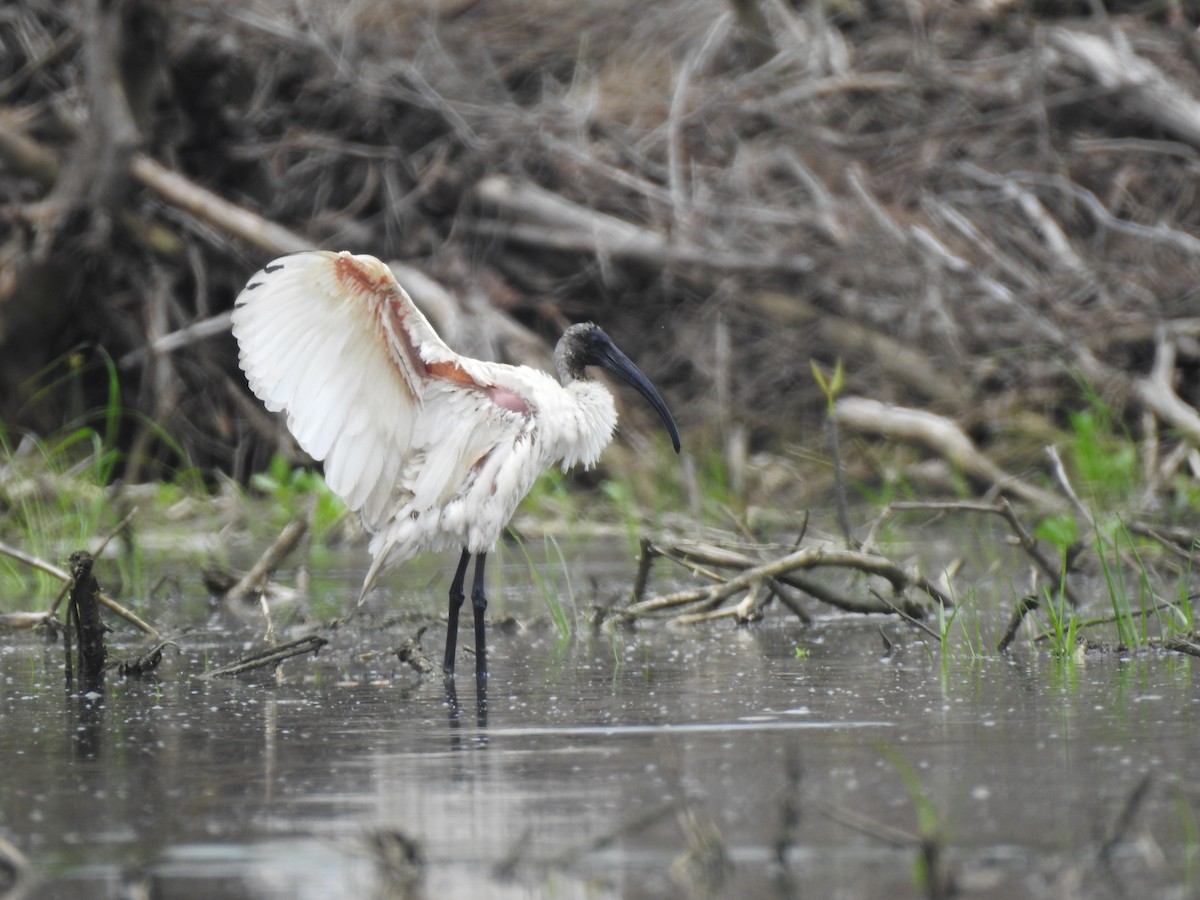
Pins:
x,y
984,210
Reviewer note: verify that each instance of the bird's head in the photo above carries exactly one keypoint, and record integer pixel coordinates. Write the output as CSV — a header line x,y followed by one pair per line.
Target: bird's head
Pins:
x,y
586,345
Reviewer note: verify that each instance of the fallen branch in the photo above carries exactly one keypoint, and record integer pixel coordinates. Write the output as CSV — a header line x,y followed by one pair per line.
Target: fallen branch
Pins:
x,y
55,571
253,581
693,556
1022,609
807,558
943,437
551,221
1005,511
18,621
1157,395
1139,86
272,657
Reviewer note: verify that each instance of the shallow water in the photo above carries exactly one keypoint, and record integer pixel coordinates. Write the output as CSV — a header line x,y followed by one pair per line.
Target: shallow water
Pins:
x,y
655,763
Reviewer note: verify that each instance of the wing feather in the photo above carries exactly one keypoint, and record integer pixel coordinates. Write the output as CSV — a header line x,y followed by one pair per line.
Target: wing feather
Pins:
x,y
334,341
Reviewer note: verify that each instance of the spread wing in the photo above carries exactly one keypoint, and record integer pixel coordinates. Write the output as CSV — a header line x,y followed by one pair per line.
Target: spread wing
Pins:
x,y
333,340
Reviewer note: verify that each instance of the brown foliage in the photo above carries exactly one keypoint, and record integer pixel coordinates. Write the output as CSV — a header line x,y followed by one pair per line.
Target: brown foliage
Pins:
x,y
965,202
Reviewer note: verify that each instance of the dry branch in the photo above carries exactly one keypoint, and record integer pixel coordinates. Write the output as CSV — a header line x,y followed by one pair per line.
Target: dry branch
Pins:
x,y
942,436
53,570
272,657
1141,88
693,555
1159,397
255,578
1049,568
548,220
807,558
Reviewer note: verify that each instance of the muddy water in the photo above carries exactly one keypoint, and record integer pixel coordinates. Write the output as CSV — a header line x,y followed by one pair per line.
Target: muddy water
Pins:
x,y
714,762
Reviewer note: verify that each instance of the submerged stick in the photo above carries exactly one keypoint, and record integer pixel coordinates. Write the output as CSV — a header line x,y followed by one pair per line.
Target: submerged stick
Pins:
x,y
695,557
1119,828
146,662
1005,511
85,612
808,558
645,560
253,580
275,655
1027,605
51,569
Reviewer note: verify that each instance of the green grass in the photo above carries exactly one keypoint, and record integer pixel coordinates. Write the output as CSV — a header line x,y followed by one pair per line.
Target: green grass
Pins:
x,y
1063,623
295,488
930,839
56,495
551,593
1102,456
966,614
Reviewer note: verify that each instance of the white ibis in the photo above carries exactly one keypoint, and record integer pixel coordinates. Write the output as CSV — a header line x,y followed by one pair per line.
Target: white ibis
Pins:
x,y
433,449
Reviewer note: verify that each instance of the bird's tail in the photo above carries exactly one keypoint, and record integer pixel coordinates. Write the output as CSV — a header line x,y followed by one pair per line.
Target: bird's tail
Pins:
x,y
381,556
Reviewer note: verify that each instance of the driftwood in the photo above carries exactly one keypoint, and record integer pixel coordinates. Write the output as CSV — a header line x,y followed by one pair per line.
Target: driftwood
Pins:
x,y
763,580
1141,88
942,436
252,583
143,663
783,186
34,619
272,656
85,616
547,220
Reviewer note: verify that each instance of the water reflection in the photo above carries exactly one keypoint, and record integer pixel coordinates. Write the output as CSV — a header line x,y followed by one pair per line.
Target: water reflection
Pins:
x,y
455,713
638,766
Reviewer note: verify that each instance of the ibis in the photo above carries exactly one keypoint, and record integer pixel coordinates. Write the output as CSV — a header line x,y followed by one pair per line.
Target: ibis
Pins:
x,y
432,449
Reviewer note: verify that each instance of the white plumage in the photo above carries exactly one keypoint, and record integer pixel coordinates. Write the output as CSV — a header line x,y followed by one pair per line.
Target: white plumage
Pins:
x,y
433,449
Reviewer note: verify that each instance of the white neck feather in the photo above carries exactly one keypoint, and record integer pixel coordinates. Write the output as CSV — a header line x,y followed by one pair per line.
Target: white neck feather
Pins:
x,y
583,428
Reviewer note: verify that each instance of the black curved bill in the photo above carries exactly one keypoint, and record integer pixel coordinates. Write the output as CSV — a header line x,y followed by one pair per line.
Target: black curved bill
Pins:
x,y
604,353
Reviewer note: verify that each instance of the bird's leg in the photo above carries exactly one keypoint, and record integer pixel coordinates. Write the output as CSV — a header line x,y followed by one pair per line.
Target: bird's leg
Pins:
x,y
456,602
479,602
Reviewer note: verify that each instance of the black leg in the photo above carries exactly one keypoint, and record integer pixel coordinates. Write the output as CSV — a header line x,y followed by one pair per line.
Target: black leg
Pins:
x,y
479,602
456,602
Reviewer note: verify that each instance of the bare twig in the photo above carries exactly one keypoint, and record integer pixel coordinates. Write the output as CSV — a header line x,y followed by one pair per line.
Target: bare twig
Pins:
x,y
1139,85
1023,608
1005,511
34,562
807,558
252,582
559,224
942,436
272,657
116,530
